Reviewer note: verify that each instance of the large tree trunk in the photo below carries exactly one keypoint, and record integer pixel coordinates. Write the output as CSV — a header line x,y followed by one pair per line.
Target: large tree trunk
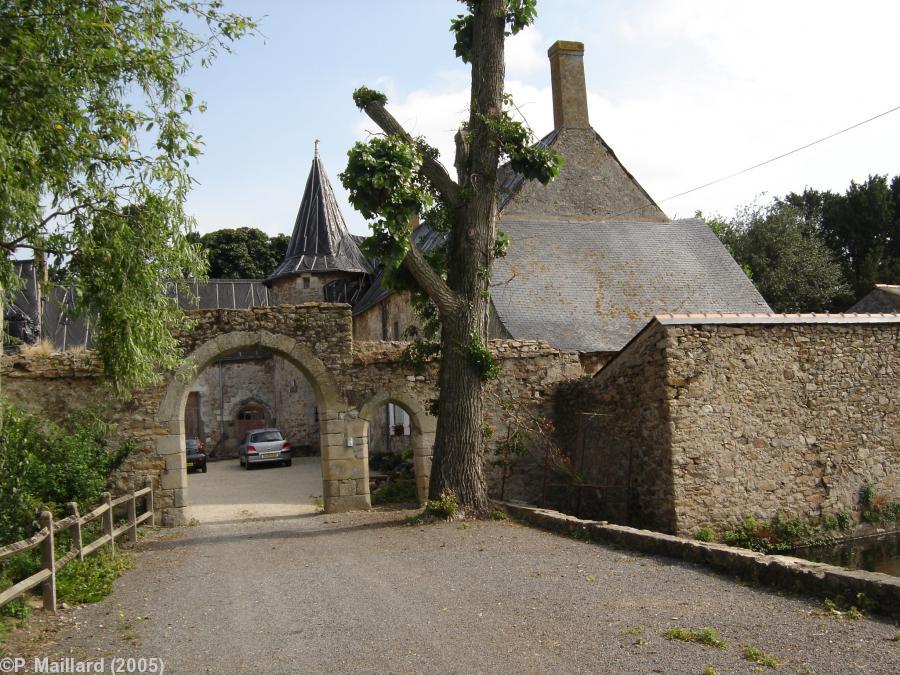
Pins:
x,y
459,442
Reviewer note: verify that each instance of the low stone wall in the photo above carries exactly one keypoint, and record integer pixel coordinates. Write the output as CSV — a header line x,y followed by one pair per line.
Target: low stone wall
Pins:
x,y
706,420
793,574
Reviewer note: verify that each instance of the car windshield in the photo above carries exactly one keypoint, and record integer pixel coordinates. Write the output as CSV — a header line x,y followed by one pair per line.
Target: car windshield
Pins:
x,y
191,444
264,436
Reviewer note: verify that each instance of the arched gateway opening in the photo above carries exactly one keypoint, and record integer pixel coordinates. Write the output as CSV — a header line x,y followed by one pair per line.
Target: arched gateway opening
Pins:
x,y
345,476
378,413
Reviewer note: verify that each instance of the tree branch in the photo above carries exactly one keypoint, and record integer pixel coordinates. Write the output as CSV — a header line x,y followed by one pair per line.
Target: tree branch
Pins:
x,y
431,282
432,169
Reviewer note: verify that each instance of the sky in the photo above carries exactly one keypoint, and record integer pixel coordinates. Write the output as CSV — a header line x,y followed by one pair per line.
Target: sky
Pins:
x,y
684,91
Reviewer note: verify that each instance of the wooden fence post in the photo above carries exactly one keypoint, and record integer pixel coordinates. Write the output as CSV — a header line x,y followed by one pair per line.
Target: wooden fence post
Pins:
x,y
148,482
73,511
132,518
108,521
48,562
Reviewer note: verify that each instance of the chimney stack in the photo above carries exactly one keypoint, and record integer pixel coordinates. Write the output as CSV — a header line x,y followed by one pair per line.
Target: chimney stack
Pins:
x,y
567,78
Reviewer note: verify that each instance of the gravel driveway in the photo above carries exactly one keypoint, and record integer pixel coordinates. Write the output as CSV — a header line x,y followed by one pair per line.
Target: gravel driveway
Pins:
x,y
366,592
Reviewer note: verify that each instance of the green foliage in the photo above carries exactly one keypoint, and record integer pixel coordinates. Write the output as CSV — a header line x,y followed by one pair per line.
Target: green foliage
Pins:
x,y
875,507
830,522
499,515
501,244
243,253
363,96
94,156
704,636
861,226
755,655
785,256
519,14
481,358
705,534
383,181
515,140
91,579
776,535
443,508
845,522
395,492
709,670
45,465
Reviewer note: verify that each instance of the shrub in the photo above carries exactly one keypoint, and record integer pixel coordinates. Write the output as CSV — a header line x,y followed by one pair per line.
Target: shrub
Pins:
x,y
830,522
91,579
845,522
396,492
445,507
46,465
705,534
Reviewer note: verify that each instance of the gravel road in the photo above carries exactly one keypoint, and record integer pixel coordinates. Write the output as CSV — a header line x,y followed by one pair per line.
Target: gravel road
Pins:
x,y
366,592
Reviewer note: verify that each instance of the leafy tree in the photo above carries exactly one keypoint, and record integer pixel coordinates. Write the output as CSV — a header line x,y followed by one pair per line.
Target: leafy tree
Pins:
x,y
243,253
861,226
784,255
394,179
94,156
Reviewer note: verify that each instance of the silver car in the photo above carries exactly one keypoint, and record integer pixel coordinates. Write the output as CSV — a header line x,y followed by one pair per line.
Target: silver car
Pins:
x,y
264,446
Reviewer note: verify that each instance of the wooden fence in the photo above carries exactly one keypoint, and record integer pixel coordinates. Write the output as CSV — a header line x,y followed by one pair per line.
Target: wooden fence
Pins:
x,y
50,564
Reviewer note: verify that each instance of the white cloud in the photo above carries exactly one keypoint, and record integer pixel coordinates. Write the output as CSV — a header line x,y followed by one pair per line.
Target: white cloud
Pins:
x,y
718,87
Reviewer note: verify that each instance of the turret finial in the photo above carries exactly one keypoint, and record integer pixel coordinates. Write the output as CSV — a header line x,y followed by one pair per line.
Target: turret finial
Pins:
x,y
317,147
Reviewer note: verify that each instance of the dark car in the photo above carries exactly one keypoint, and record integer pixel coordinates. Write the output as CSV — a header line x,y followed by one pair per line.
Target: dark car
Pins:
x,y
196,455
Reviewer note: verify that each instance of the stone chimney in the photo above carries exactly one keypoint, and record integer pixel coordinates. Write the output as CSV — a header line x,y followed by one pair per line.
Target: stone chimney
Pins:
x,y
569,92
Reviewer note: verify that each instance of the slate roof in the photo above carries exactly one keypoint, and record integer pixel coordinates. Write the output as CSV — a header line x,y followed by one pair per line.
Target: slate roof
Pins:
x,y
882,298
320,241
592,285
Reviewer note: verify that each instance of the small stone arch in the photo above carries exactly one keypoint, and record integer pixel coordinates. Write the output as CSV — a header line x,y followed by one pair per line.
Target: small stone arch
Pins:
x,y
421,436
340,461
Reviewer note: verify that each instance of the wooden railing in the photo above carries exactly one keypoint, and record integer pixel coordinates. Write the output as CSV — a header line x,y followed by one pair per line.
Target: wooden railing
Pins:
x,y
45,537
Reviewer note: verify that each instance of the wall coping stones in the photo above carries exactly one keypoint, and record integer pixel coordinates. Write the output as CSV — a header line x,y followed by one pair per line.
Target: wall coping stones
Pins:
x,y
794,574
762,318
382,351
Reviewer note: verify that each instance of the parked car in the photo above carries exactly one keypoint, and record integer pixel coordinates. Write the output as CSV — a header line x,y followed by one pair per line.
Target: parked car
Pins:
x,y
195,451
264,446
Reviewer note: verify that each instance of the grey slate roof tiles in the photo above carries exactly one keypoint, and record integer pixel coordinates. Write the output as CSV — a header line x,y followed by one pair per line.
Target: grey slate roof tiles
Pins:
x,y
320,241
592,285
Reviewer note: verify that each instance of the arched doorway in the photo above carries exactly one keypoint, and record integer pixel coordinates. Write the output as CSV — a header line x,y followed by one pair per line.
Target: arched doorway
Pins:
x,y
410,426
344,470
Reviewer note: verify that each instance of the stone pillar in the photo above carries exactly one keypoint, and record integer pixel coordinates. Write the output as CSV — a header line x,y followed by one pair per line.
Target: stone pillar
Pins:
x,y
345,463
570,109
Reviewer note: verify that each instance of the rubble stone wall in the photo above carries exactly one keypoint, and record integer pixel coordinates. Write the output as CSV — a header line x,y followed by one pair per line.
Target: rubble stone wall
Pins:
x,y
705,424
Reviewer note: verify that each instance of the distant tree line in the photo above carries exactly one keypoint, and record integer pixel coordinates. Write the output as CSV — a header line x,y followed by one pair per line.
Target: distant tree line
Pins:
x,y
242,253
819,251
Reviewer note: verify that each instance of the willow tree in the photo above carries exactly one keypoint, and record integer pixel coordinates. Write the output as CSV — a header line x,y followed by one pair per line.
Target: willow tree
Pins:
x,y
395,179
95,151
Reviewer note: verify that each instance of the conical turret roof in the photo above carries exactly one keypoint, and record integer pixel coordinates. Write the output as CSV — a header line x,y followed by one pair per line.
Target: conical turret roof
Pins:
x,y
320,242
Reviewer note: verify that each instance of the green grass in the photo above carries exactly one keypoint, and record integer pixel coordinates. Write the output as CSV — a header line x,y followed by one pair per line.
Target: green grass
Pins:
x,y
759,656
704,636
91,579
709,670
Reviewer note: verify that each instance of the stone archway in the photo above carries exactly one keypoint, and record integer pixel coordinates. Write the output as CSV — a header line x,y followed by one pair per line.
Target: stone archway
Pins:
x,y
345,473
421,436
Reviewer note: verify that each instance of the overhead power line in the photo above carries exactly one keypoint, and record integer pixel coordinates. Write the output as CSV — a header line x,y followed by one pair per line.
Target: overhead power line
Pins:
x,y
768,161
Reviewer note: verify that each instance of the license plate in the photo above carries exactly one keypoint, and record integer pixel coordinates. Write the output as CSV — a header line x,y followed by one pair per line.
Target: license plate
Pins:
x,y
190,464
270,455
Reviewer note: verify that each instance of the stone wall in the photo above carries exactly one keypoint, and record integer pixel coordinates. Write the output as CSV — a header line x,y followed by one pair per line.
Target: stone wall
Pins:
x,y
350,383
615,429
388,320
706,423
784,418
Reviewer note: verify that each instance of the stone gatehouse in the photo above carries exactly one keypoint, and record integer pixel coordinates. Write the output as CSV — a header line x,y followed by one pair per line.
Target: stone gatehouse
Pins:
x,y
350,382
